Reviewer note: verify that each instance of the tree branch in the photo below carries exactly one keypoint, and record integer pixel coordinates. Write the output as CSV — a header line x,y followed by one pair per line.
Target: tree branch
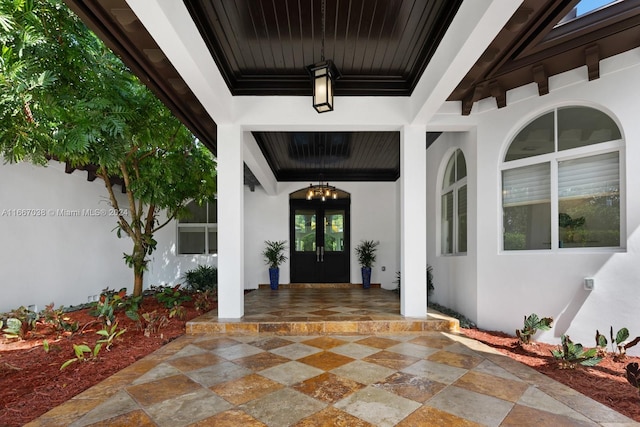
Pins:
x,y
102,172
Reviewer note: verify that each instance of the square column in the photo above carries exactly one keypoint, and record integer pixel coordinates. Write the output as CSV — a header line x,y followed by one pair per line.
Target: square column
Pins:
x,y
230,222
413,221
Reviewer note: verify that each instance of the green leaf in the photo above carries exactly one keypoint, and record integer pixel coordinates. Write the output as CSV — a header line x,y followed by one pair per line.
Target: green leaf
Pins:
x,y
622,335
68,362
593,361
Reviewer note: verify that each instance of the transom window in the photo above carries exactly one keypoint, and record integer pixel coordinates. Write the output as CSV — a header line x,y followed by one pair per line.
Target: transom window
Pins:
x,y
198,232
561,182
453,229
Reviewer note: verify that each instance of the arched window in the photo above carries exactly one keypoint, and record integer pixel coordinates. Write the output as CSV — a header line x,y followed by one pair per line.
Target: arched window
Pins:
x,y
453,229
561,182
198,232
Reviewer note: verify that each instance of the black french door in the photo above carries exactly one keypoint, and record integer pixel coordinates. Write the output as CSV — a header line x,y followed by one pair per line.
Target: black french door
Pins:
x,y
319,241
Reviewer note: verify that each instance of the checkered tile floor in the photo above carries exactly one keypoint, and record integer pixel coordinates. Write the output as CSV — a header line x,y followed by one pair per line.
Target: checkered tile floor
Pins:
x,y
389,371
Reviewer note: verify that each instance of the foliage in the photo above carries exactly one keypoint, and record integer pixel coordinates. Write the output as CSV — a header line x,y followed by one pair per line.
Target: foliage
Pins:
x,y
619,344
464,322
83,354
173,298
56,317
111,301
18,322
632,372
274,253
109,335
571,354
152,322
430,286
366,252
202,278
203,301
64,95
532,324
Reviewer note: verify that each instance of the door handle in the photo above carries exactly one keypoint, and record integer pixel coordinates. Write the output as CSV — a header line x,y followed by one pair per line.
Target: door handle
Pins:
x,y
318,254
321,253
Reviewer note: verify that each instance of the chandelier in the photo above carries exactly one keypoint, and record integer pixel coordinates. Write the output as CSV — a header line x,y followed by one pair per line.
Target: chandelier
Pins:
x,y
322,191
323,75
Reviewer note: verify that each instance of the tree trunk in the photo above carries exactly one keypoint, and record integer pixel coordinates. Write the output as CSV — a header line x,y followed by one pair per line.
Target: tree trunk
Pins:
x,y
137,282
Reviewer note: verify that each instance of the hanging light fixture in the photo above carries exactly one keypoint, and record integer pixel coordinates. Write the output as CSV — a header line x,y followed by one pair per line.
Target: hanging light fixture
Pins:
x,y
322,191
323,76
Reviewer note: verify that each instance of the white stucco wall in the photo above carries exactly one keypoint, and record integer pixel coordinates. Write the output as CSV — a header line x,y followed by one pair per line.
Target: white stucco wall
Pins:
x,y
454,276
550,283
51,250
374,216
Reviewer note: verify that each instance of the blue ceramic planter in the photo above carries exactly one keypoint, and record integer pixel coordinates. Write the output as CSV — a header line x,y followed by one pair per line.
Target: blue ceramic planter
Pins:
x,y
366,277
274,278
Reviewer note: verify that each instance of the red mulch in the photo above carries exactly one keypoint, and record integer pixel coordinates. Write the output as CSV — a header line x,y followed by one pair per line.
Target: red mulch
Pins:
x,y
31,382
605,382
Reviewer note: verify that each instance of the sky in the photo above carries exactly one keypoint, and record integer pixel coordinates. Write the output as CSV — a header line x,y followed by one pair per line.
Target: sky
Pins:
x,y
588,5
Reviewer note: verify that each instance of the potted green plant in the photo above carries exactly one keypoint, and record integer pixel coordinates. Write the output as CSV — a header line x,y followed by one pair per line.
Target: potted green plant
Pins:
x,y
366,252
274,256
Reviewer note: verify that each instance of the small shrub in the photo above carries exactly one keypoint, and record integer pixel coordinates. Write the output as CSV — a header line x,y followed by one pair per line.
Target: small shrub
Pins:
x,y
532,324
110,335
83,354
632,371
56,318
203,278
203,301
19,322
152,322
173,298
570,354
619,344
430,286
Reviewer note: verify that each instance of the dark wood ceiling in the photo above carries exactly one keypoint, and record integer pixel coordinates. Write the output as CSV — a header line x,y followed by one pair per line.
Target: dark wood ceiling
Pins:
x,y
263,47
336,156
381,47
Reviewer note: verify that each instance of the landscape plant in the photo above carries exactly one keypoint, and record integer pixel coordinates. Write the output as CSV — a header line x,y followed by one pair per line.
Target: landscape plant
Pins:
x,y
570,354
64,95
18,322
532,324
57,318
632,373
173,298
619,344
202,278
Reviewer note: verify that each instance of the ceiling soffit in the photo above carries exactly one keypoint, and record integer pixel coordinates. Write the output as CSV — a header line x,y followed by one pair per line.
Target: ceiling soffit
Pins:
x,y
532,47
262,47
336,156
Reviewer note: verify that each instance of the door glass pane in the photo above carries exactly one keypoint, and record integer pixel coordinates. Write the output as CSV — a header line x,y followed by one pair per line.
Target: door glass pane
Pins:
x,y
334,230
305,228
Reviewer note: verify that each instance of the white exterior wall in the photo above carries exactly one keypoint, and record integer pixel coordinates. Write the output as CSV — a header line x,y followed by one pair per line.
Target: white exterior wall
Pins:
x,y
454,276
56,257
374,216
511,285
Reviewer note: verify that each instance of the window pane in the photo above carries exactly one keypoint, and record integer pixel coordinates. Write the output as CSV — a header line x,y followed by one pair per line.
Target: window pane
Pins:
x,y
191,240
462,219
213,212
198,214
447,223
450,172
589,201
305,223
213,241
334,230
461,166
526,205
581,126
535,139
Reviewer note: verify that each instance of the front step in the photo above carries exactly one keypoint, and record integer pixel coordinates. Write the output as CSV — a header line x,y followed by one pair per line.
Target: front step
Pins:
x,y
318,285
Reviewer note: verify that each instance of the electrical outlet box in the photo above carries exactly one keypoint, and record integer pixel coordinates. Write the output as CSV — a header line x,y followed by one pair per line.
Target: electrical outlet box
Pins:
x,y
589,283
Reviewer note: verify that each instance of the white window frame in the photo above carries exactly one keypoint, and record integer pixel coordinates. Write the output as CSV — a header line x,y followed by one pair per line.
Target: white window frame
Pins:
x,y
454,188
208,227
554,159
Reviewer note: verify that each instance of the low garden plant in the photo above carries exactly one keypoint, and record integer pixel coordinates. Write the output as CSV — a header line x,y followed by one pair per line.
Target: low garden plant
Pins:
x,y
619,343
533,324
570,354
